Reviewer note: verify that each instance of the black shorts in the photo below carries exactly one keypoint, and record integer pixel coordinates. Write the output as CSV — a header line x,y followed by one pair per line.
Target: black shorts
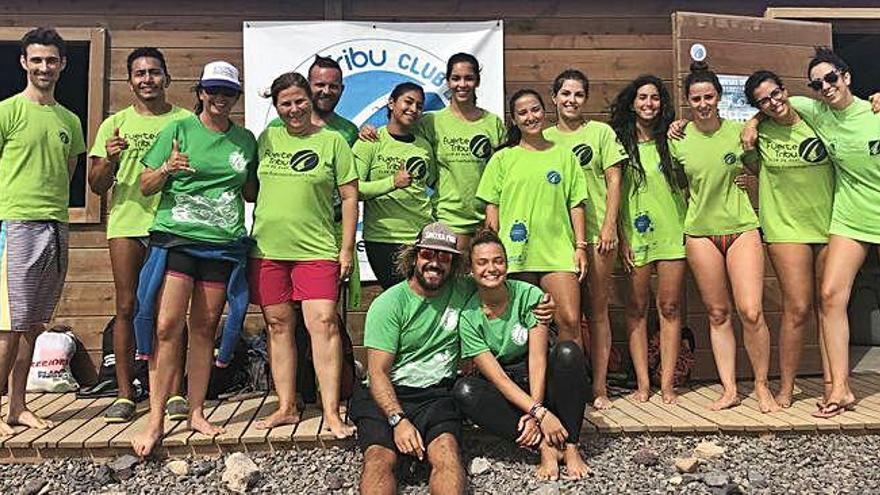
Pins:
x,y
431,410
198,269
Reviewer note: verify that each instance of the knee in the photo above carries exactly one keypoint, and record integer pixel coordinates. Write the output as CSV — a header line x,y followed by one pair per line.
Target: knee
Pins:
x,y
637,309
168,330
751,316
568,320
125,305
279,325
832,296
444,454
799,313
718,315
569,356
323,323
379,459
669,310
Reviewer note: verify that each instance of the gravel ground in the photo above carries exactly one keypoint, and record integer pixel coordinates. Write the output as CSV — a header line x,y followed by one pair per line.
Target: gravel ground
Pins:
x,y
795,464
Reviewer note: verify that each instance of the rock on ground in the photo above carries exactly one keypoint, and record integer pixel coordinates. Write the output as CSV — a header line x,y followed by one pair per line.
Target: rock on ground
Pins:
x,y
240,473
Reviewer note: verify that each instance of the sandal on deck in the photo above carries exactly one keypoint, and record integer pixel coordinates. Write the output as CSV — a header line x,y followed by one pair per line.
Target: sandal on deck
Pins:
x,y
177,409
833,409
121,411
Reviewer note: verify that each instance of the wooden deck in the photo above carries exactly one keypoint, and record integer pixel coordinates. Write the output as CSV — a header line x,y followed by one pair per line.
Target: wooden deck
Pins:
x,y
80,430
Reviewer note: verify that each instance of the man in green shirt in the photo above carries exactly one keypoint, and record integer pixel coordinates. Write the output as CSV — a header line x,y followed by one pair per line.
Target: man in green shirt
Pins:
x,y
115,158
40,142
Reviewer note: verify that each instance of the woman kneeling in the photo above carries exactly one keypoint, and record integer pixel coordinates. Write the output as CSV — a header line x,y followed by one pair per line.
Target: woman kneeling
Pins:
x,y
510,350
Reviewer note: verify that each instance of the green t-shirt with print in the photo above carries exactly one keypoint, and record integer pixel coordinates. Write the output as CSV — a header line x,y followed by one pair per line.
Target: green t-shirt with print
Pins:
x,y
597,149
795,184
421,332
293,217
36,142
535,191
205,205
337,123
651,211
462,149
131,213
717,206
852,139
395,215
506,337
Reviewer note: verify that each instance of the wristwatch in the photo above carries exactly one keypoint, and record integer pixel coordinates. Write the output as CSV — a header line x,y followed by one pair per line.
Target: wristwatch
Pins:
x,y
396,418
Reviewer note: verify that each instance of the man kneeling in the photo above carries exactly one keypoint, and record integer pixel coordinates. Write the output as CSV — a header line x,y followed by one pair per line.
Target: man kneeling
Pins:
x,y
412,353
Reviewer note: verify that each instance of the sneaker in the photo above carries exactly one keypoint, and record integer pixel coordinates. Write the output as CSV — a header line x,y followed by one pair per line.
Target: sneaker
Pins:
x,y
121,411
177,409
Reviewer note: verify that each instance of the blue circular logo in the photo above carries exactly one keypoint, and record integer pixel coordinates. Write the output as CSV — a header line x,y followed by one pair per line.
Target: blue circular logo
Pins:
x,y
519,232
554,177
643,223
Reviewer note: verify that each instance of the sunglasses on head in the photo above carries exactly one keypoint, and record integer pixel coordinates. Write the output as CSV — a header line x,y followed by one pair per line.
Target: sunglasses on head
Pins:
x,y
227,92
430,255
831,78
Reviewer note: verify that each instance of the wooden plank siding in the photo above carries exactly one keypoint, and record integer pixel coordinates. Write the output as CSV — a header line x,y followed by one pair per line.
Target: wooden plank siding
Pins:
x,y
612,42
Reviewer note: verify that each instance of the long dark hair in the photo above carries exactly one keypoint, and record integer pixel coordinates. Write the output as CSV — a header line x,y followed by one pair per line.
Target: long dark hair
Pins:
x,y
623,121
514,135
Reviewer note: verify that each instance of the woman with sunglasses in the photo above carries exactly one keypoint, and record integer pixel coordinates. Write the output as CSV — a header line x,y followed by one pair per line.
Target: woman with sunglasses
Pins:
x,y
534,191
601,157
851,131
796,192
652,221
203,166
722,241
395,173
297,258
526,390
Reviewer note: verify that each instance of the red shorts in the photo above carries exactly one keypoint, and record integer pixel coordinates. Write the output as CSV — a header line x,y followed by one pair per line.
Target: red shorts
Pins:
x,y
274,282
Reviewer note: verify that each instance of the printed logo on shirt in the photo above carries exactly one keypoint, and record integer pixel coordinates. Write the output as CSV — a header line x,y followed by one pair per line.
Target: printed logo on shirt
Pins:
x,y
237,161
519,334
304,160
643,223
480,146
730,158
519,232
449,320
64,136
417,167
584,154
874,147
811,150
554,177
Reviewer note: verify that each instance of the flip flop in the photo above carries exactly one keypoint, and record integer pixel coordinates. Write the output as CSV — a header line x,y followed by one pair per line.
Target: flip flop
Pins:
x,y
177,409
121,411
830,410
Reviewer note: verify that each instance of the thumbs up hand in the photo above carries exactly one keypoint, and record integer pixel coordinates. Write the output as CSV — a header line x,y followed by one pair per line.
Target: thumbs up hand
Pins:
x,y
115,145
177,162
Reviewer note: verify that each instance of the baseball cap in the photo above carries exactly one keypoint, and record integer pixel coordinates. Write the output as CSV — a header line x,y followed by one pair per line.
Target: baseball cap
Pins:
x,y
439,237
220,74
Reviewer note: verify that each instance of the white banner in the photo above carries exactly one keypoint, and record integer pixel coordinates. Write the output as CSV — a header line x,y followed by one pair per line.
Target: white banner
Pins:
x,y
374,57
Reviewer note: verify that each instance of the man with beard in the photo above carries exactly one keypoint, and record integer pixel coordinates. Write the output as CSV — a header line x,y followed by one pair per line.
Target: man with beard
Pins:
x,y
116,154
40,142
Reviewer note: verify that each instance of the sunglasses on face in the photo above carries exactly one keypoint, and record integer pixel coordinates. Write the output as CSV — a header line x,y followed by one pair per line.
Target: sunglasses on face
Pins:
x,y
430,255
831,78
227,92
775,95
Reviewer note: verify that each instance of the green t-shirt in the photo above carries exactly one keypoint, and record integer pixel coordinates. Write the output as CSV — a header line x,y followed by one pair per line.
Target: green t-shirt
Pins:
x,y
651,211
205,205
36,141
535,191
506,337
852,138
337,123
597,149
394,215
421,332
795,184
717,205
462,150
131,213
293,217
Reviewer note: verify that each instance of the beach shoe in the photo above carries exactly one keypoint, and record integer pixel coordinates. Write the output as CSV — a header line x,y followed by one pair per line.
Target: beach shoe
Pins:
x,y
176,409
121,411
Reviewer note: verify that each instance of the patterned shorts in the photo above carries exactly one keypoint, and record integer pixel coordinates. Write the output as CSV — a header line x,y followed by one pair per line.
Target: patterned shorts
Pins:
x,y
33,264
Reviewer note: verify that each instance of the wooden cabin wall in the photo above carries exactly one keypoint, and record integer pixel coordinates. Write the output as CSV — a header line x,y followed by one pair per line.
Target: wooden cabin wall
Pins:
x,y
612,42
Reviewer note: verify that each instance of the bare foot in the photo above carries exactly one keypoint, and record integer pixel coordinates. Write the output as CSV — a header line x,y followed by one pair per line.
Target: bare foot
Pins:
x,y
575,467
602,403
548,469
766,403
340,429
640,395
6,430
784,398
29,419
201,425
143,442
278,418
726,401
670,397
